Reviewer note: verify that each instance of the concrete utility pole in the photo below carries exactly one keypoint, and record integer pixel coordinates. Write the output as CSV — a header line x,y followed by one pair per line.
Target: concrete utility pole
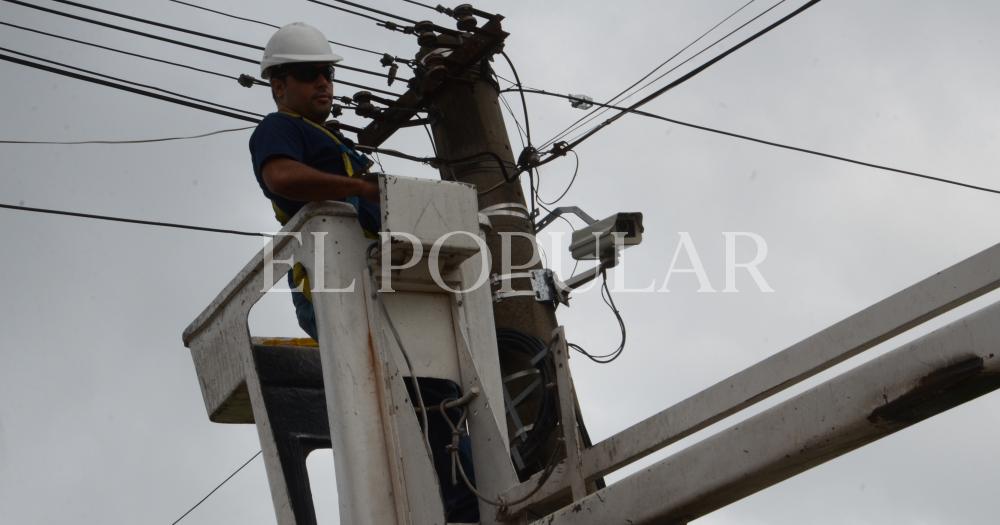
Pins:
x,y
467,124
462,98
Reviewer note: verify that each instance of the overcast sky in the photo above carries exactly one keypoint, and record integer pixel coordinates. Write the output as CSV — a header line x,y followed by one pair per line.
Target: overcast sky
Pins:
x,y
101,417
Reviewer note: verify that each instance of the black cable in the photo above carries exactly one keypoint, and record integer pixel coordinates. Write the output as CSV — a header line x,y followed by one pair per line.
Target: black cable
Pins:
x,y
185,66
77,76
131,141
158,24
366,8
688,76
432,8
366,88
394,153
139,84
524,103
777,144
686,60
355,13
133,31
132,221
576,169
520,130
513,341
202,500
615,354
91,44
267,24
532,176
593,114
179,42
430,137
367,72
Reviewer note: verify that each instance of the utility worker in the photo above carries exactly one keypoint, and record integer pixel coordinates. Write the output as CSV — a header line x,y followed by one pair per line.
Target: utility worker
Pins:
x,y
297,160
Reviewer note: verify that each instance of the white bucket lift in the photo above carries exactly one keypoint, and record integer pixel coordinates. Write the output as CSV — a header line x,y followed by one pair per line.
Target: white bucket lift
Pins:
x,y
383,467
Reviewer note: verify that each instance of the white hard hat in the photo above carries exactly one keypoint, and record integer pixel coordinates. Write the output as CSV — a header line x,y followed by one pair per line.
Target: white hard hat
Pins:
x,y
296,42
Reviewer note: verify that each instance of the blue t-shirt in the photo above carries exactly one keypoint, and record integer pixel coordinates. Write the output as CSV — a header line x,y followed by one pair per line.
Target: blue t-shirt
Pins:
x,y
282,135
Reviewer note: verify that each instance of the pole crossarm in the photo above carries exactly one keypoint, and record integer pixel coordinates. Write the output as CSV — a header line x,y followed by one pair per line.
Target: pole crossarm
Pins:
x,y
882,321
437,68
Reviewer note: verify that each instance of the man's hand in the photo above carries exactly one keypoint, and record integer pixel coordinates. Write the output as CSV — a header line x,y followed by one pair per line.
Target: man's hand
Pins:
x,y
296,181
369,191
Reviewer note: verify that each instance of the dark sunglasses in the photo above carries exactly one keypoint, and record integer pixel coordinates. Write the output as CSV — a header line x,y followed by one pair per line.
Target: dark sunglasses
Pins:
x,y
308,72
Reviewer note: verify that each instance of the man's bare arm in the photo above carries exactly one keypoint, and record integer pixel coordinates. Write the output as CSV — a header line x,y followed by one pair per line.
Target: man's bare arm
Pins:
x,y
296,181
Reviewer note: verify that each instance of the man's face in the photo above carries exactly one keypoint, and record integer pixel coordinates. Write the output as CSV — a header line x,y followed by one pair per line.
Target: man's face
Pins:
x,y
306,89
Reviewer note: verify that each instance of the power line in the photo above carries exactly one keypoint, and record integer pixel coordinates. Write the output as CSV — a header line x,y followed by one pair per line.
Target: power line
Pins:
x,y
366,8
772,143
137,55
177,42
689,75
133,31
597,112
132,221
368,88
699,53
267,24
217,487
130,89
159,24
147,86
177,64
129,141
439,8
157,96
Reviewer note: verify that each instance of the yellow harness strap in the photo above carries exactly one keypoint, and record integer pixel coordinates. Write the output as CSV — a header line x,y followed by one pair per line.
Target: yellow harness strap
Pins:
x,y
348,166
300,279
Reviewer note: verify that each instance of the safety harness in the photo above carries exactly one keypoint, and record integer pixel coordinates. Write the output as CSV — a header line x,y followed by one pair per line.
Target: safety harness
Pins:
x,y
355,162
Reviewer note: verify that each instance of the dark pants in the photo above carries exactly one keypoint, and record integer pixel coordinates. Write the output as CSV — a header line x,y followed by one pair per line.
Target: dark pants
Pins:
x,y
460,504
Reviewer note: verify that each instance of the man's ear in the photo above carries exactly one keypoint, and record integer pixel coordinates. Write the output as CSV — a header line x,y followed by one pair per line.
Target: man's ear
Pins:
x,y
277,88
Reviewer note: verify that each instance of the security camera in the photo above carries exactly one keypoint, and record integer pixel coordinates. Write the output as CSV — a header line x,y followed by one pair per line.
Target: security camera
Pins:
x,y
600,239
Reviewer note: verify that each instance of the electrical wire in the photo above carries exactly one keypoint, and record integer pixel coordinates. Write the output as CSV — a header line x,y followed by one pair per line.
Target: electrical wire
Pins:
x,y
524,103
532,175
517,123
366,88
173,41
608,300
594,114
185,66
133,31
131,221
130,89
576,169
137,55
778,144
684,78
267,24
157,24
366,8
430,137
139,84
686,60
432,8
406,357
131,141
217,487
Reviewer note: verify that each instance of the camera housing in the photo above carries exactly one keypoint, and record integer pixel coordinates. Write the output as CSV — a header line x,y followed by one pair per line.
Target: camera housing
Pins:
x,y
598,239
